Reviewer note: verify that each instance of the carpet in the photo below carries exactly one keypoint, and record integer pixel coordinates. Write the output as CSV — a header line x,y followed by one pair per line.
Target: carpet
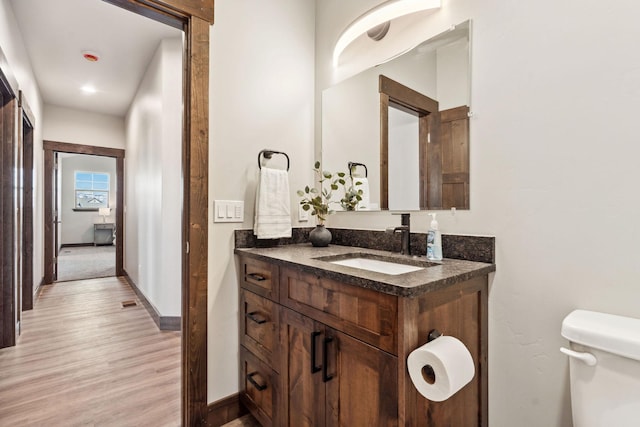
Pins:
x,y
86,262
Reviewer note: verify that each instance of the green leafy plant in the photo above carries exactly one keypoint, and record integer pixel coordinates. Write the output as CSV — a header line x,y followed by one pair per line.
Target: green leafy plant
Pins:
x,y
318,200
352,195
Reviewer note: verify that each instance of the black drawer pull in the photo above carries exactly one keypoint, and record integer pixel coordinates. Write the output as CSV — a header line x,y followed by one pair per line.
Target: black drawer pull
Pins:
x,y
314,368
256,276
260,387
258,320
325,365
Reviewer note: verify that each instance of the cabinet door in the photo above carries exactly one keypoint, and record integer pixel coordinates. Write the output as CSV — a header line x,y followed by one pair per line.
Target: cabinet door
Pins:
x,y
303,400
259,391
361,383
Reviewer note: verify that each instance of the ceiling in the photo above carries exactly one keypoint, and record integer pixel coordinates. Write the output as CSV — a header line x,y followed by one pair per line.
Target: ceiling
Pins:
x,y
55,34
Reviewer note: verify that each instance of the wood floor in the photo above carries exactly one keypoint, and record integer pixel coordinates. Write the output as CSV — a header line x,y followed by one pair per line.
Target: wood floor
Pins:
x,y
84,360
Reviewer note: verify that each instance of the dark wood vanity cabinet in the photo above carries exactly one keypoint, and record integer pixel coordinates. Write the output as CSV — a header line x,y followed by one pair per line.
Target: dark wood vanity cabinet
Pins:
x,y
317,352
332,379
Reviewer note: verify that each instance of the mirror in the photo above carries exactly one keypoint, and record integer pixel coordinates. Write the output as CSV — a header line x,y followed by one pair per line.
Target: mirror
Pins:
x,y
406,121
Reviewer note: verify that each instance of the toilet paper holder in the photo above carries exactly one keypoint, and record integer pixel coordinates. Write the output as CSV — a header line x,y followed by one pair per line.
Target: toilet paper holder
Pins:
x,y
433,334
427,372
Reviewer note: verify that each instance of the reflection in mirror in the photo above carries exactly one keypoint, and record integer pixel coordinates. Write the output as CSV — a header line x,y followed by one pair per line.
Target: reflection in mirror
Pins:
x,y
404,173
429,169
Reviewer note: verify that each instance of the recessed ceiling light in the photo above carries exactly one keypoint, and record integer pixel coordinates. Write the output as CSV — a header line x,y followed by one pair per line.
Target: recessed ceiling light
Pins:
x,y
90,56
88,89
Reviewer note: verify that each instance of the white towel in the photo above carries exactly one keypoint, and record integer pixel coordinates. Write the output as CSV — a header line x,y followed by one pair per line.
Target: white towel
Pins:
x,y
364,204
273,205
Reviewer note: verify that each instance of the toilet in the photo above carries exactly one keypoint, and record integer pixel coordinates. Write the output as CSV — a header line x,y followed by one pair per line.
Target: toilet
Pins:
x,y
604,368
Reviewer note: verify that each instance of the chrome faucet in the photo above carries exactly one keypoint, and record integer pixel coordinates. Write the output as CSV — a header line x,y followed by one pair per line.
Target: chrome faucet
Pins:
x,y
405,229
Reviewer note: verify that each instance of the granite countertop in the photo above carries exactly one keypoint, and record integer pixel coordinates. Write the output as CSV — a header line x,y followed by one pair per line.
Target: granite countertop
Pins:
x,y
435,275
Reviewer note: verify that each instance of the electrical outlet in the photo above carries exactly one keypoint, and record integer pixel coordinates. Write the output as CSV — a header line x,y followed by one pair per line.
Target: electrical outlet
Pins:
x,y
302,214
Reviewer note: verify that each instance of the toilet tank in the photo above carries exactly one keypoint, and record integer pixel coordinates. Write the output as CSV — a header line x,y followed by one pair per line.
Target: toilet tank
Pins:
x,y
604,368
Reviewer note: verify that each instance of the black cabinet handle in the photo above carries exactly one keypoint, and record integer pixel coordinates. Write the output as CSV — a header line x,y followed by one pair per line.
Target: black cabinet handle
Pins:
x,y
256,276
258,320
325,365
314,368
260,387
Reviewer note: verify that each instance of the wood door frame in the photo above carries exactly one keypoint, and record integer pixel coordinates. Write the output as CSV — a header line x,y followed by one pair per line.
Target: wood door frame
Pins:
x,y
195,18
395,94
8,138
51,147
27,117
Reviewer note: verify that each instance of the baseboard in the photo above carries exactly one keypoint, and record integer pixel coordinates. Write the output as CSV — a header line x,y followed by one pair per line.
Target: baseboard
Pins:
x,y
164,323
37,291
225,410
74,245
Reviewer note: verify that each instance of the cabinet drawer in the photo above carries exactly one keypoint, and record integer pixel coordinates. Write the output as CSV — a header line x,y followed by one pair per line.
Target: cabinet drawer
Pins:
x,y
259,277
259,325
362,313
259,388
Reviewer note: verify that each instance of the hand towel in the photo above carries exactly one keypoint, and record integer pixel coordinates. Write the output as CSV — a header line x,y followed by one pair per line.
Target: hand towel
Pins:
x,y
273,205
364,204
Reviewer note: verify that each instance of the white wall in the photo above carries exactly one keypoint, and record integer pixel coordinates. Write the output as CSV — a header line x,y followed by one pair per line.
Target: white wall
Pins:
x,y
72,126
77,226
153,181
554,176
261,96
12,45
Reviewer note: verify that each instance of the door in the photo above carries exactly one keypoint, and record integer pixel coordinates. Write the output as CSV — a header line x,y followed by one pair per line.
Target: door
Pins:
x,y
361,383
302,371
454,139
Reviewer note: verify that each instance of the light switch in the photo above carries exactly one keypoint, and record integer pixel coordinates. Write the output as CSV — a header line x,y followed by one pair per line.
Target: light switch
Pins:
x,y
228,211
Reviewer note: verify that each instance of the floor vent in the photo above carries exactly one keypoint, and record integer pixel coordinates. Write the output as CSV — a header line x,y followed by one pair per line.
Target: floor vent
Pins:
x,y
130,303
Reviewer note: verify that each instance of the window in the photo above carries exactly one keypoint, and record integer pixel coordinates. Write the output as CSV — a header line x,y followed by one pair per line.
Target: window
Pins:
x,y
92,190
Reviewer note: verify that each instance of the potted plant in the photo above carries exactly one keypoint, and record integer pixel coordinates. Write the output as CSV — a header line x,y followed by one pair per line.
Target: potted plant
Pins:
x,y
318,200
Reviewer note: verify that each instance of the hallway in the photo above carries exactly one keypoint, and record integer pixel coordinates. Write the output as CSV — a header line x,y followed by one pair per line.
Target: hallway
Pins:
x,y
83,359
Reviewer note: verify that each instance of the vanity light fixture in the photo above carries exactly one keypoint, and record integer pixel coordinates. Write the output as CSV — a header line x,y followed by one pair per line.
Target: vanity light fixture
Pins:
x,y
380,15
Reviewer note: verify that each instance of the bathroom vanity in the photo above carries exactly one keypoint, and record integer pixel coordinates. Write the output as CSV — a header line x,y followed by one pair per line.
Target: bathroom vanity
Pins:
x,y
323,344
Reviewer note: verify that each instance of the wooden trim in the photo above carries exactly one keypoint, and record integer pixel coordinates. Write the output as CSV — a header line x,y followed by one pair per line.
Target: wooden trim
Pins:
x,y
120,215
195,198
384,151
48,217
413,101
195,224
164,323
171,12
397,95
225,410
27,113
63,147
8,146
434,163
26,126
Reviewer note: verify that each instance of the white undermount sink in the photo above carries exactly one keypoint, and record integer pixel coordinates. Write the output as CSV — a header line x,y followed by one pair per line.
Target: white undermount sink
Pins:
x,y
376,265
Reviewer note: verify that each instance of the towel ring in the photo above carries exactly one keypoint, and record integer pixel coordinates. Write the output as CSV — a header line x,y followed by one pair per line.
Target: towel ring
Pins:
x,y
352,165
267,154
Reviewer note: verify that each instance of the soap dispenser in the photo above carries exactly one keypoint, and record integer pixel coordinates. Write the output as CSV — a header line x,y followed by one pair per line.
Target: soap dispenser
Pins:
x,y
434,241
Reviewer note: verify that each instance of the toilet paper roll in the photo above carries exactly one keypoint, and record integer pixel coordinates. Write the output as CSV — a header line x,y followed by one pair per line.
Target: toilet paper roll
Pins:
x,y
440,368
